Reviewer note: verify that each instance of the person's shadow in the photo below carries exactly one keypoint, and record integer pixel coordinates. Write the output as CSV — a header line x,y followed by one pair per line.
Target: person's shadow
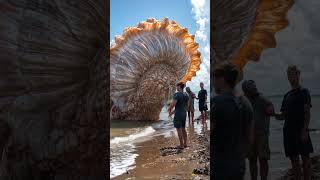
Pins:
x,y
204,127
191,130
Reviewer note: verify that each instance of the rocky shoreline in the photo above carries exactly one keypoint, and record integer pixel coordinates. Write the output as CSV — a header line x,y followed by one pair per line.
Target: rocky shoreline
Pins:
x,y
202,155
315,166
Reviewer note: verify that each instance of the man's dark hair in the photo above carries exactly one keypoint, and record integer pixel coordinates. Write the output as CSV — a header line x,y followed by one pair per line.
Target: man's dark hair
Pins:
x,y
293,68
228,71
181,85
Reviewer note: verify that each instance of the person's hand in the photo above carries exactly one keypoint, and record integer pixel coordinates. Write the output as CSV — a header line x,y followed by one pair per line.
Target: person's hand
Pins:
x,y
170,114
304,135
270,110
278,116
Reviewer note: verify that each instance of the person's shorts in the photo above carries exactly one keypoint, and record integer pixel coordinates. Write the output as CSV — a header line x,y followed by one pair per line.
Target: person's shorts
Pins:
x,y
260,147
179,120
190,108
202,106
224,169
293,146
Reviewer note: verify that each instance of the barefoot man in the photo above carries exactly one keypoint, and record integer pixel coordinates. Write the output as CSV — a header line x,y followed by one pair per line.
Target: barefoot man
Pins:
x,y
190,107
179,103
295,110
202,96
262,110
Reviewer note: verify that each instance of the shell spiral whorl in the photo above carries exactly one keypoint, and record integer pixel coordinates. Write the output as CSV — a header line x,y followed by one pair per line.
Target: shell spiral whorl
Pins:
x,y
145,63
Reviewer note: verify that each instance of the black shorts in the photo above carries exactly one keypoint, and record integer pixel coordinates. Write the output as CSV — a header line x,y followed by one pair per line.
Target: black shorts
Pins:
x,y
179,120
202,106
224,169
293,145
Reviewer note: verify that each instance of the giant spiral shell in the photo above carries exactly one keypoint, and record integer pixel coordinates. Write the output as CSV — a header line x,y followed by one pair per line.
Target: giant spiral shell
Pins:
x,y
242,29
53,89
145,63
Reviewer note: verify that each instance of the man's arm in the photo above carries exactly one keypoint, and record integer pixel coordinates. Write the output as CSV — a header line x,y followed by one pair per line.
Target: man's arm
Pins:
x,y
249,120
307,107
307,116
279,116
304,133
250,127
172,105
205,97
269,109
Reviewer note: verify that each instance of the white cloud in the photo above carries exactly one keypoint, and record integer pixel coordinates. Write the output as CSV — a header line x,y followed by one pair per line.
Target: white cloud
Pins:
x,y
201,12
201,35
111,43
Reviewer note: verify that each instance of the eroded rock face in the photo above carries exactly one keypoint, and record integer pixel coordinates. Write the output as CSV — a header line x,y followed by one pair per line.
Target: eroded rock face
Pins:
x,y
53,89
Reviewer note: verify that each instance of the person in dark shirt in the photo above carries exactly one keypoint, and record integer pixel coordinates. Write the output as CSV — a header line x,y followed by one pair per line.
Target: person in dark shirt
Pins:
x,y
295,110
232,117
202,96
179,104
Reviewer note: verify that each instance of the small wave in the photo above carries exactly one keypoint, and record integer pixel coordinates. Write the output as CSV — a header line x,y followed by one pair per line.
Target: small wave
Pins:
x,y
147,131
124,160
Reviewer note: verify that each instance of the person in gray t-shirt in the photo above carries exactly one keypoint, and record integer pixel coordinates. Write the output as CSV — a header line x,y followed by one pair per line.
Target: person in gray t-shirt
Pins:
x,y
263,109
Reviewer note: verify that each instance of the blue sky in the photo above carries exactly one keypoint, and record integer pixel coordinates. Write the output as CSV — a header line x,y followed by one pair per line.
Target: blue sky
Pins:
x,y
191,14
124,13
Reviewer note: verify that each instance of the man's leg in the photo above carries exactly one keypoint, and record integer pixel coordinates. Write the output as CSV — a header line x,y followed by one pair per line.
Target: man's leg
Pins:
x,y
189,116
253,167
264,156
192,115
264,168
184,132
180,135
295,162
202,116
306,167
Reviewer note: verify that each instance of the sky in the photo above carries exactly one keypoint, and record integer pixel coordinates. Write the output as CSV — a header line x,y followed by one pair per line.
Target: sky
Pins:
x,y
192,14
298,44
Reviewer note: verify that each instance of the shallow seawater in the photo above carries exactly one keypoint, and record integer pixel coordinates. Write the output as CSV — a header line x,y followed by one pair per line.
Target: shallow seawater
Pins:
x,y
124,135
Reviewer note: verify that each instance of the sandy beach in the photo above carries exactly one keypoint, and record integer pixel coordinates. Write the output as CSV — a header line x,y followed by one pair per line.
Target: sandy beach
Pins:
x,y
155,162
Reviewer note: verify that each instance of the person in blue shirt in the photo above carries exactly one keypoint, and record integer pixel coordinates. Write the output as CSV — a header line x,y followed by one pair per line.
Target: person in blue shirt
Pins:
x,y
232,117
179,103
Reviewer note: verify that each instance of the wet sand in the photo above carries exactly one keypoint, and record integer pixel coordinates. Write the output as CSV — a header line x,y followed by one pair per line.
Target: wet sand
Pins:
x,y
151,164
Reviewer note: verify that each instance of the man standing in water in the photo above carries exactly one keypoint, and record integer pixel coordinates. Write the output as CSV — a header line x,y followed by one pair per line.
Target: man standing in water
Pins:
x,y
202,96
262,110
179,103
295,110
233,125
190,106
